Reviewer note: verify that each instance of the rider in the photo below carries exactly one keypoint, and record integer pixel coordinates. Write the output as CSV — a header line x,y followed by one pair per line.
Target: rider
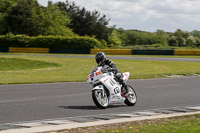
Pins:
x,y
102,61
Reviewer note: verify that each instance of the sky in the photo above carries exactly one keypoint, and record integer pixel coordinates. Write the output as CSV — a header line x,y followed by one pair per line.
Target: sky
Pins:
x,y
146,15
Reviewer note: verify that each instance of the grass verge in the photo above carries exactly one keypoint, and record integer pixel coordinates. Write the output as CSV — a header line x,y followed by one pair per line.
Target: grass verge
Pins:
x,y
64,69
11,64
182,124
185,124
93,55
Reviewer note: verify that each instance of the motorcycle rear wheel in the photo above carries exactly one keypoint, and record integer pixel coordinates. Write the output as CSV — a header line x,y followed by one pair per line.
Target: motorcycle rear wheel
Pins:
x,y
131,99
100,100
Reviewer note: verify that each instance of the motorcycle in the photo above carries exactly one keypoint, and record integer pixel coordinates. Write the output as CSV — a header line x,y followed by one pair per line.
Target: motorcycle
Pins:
x,y
106,90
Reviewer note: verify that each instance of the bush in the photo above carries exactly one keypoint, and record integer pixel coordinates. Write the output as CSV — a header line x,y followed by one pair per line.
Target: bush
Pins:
x,y
10,40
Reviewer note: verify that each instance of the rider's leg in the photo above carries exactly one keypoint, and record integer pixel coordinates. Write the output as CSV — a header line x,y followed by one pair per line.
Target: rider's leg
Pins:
x,y
125,86
119,78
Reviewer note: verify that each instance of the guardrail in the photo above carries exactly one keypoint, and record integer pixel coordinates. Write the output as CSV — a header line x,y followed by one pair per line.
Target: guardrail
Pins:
x,y
4,49
70,51
28,50
94,51
187,52
113,51
152,52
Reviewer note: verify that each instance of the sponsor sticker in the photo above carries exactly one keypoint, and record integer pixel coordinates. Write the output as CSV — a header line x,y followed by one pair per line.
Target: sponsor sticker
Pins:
x,y
91,75
98,73
106,79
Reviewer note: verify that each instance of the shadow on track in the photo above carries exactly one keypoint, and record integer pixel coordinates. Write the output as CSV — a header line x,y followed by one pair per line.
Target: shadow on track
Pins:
x,y
80,107
90,107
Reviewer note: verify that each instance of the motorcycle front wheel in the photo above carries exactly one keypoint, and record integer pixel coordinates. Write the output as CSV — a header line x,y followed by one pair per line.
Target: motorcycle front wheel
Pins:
x,y
131,99
100,99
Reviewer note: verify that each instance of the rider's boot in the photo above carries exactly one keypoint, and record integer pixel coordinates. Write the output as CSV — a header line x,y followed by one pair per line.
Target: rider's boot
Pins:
x,y
125,88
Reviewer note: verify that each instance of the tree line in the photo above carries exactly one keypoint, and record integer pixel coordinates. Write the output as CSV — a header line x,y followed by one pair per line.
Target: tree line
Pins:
x,y
62,18
179,38
28,17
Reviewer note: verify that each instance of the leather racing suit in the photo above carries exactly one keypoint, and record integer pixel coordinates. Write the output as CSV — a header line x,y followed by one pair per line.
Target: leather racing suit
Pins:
x,y
111,67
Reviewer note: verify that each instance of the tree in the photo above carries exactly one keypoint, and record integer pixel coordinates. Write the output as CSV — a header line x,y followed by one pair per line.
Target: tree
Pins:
x,y
114,39
18,18
3,25
5,5
181,37
28,17
86,22
172,40
195,33
50,21
161,37
191,41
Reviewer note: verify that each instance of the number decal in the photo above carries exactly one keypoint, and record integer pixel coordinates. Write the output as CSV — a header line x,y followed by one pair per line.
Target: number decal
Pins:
x,y
116,90
91,75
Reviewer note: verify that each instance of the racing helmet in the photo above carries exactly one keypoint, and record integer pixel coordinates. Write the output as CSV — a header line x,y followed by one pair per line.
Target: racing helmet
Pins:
x,y
100,58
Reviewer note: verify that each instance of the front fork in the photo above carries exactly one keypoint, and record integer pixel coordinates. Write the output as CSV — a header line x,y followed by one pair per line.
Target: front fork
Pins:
x,y
103,93
100,87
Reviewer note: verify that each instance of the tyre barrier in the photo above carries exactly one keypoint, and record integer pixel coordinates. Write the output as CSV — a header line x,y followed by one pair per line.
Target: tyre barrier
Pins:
x,y
4,49
112,51
186,52
94,51
70,51
28,50
152,52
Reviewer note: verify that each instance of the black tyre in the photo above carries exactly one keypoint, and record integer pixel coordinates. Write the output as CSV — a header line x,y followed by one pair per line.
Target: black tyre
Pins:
x,y
131,99
100,100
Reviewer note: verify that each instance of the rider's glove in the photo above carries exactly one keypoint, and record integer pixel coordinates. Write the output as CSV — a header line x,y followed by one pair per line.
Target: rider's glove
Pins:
x,y
114,70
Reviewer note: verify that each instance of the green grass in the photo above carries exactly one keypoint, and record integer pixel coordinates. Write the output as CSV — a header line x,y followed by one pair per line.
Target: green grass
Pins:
x,y
184,124
162,56
168,56
40,69
11,64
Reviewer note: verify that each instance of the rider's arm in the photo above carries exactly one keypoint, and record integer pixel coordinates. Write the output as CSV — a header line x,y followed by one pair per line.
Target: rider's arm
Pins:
x,y
112,66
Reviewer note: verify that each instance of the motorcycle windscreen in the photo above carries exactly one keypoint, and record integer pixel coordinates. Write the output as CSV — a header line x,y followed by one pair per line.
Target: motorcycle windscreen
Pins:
x,y
126,76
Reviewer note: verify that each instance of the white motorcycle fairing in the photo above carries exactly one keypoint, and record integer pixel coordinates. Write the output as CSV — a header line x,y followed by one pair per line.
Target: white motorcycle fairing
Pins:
x,y
100,81
99,87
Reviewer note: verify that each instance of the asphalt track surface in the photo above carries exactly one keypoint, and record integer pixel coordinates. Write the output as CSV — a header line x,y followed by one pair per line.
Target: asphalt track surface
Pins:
x,y
114,57
19,103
